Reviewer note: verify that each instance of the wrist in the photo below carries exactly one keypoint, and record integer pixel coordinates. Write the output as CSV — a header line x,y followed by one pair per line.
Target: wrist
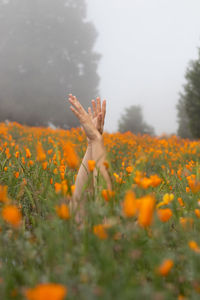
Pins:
x,y
97,138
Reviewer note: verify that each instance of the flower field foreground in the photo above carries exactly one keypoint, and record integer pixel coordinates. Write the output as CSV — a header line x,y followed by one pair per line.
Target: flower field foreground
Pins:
x,y
139,241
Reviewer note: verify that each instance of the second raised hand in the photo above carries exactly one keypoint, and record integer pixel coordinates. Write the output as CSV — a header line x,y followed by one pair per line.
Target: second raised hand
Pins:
x,y
98,114
85,118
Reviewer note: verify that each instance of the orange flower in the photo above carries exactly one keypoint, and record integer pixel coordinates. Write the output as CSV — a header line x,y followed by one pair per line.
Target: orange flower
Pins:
x,y
73,188
16,174
146,210
41,156
17,154
130,204
12,215
63,211
145,182
44,165
117,178
64,187
58,187
180,201
61,187
28,153
187,189
129,169
50,151
70,155
3,193
186,223
91,165
47,291
197,212
30,163
107,194
100,231
165,267
106,164
193,245
7,152
164,214
155,180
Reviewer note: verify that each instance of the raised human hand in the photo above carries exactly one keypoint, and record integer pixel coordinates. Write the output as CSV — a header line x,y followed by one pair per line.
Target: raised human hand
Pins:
x,y
97,113
85,119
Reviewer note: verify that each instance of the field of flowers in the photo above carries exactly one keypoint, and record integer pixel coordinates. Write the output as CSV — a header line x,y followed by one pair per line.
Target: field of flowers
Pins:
x,y
139,241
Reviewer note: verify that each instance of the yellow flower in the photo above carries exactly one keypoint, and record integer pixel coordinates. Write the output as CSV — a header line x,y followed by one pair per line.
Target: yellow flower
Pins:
x,y
167,198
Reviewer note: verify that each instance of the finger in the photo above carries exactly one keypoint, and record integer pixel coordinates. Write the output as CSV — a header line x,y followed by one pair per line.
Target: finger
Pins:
x,y
98,105
94,108
90,112
103,111
74,101
75,112
99,120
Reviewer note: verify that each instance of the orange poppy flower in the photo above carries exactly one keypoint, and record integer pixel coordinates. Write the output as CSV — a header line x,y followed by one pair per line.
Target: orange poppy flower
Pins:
x,y
130,204
165,267
164,214
91,165
12,215
63,211
47,291
146,210
100,231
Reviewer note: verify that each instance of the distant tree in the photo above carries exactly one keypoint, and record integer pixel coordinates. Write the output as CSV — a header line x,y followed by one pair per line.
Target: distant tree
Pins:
x,y
132,120
190,98
46,52
183,120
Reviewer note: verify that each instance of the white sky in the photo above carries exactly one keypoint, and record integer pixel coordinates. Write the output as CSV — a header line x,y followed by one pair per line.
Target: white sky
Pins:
x,y
146,46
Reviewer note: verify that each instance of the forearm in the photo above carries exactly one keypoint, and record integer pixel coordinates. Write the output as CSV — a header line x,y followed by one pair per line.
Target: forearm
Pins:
x,y
83,173
99,155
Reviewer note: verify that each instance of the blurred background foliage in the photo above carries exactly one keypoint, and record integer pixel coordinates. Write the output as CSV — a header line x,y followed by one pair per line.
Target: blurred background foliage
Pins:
x,y
46,52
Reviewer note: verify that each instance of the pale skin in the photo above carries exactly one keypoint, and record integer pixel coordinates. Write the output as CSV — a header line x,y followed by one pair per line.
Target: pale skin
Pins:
x,y
93,123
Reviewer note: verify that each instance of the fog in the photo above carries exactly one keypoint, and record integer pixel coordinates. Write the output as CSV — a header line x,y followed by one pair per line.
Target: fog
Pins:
x,y
131,52
146,46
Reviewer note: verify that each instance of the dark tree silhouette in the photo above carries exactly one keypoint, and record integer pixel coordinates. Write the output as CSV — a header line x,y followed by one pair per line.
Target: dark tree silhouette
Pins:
x,y
190,98
46,52
183,120
132,120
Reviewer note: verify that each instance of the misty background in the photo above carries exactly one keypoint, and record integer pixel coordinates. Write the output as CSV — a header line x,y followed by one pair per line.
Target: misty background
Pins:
x,y
131,52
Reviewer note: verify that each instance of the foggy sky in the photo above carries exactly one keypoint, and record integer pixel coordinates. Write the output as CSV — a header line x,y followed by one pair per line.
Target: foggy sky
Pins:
x,y
146,46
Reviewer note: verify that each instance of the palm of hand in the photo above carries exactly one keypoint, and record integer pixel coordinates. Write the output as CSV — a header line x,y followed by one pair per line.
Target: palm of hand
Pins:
x,y
92,123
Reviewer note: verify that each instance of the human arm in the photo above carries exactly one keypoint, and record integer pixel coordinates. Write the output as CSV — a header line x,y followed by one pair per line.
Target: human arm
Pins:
x,y
92,123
